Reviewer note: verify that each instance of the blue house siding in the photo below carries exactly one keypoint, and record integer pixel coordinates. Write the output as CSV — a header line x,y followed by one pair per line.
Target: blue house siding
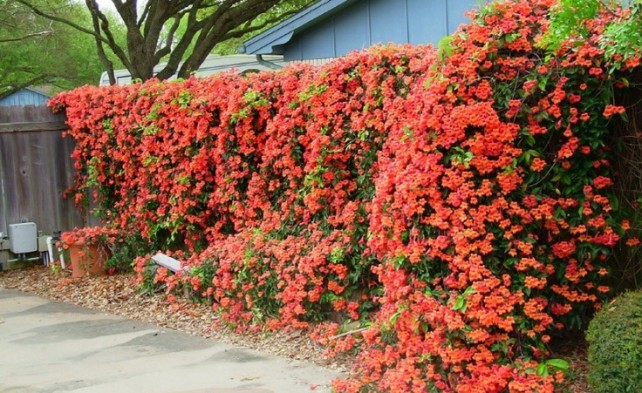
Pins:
x,y
388,21
353,23
315,44
332,28
427,22
25,97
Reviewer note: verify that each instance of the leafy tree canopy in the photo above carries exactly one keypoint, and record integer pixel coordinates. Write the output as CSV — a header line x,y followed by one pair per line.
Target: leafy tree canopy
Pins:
x,y
36,51
181,33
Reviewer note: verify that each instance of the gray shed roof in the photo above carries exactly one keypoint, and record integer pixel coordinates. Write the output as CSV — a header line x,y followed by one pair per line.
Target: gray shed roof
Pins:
x,y
25,96
271,41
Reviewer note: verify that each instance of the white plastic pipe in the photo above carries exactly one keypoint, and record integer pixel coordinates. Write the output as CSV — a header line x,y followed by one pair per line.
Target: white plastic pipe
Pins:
x,y
50,250
62,258
50,246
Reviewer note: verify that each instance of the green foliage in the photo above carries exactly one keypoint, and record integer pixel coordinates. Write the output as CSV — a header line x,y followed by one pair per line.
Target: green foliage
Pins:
x,y
123,250
625,37
568,19
622,37
179,33
148,286
615,346
444,46
36,51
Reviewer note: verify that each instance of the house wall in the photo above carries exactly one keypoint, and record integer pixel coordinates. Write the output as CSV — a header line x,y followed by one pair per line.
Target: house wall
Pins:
x,y
369,22
23,98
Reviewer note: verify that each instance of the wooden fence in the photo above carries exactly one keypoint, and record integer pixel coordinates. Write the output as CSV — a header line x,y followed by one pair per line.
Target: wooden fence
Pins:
x,y
35,170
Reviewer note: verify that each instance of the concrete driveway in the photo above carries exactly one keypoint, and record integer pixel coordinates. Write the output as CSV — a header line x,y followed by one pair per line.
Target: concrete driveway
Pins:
x,y
55,347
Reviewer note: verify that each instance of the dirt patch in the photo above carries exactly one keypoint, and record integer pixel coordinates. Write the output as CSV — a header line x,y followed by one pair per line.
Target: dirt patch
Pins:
x,y
575,352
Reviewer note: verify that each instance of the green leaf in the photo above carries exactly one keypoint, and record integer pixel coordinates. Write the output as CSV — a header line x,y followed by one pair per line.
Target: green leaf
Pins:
x,y
542,83
542,370
512,37
445,47
559,364
460,304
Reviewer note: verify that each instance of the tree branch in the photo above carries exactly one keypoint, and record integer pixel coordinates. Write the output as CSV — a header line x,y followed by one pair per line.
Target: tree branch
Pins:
x,y
152,30
109,66
218,25
103,26
143,16
176,55
43,14
167,48
24,37
248,28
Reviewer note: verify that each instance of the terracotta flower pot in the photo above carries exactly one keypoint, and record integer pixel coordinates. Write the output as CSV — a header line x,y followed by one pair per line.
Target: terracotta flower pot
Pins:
x,y
87,259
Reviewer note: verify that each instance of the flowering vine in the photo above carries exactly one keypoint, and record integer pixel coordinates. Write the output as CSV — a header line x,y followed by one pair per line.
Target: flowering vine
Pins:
x,y
458,200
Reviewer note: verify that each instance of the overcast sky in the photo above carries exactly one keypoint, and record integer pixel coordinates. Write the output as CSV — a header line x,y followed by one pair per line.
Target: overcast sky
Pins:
x,y
106,4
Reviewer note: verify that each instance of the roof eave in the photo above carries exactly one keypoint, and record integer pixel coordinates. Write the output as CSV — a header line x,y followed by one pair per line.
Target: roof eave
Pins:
x,y
272,41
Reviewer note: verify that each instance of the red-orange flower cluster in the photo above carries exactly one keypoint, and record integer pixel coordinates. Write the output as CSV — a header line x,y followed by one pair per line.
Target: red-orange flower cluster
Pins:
x,y
461,201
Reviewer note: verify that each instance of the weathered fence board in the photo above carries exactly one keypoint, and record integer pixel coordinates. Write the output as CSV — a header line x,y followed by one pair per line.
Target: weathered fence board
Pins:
x,y
35,170
29,114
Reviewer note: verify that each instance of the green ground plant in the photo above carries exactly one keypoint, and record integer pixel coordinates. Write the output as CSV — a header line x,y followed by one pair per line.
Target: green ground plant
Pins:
x,y
615,346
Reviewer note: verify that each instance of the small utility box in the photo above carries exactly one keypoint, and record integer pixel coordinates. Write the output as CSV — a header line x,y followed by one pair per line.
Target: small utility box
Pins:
x,y
23,237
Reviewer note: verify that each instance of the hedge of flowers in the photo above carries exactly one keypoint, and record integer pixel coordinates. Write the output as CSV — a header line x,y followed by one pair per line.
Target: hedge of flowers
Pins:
x,y
268,170
459,201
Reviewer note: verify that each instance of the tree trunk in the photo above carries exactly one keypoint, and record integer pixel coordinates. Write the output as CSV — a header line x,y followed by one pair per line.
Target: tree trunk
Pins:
x,y
208,23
